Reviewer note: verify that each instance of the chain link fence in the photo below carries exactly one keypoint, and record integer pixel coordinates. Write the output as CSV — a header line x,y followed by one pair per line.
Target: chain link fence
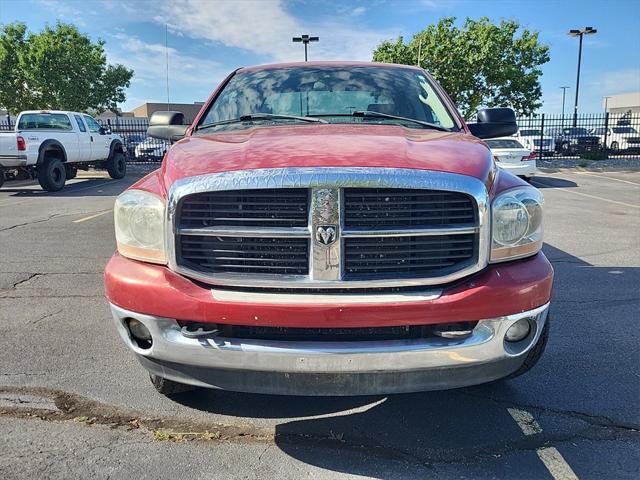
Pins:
x,y
590,136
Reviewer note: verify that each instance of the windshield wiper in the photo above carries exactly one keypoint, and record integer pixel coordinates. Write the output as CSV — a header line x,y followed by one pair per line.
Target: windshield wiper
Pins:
x,y
261,116
369,113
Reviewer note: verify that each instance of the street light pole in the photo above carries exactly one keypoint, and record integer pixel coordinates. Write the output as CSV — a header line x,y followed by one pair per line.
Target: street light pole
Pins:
x,y
564,91
305,39
579,33
606,104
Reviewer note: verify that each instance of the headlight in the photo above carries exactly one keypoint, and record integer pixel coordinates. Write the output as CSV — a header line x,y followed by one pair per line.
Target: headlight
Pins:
x,y
140,226
516,224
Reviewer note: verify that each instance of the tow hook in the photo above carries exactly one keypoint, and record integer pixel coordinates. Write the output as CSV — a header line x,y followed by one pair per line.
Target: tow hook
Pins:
x,y
197,331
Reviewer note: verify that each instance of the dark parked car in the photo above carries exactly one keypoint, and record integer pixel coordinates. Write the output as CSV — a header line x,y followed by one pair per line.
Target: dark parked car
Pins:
x,y
131,142
574,140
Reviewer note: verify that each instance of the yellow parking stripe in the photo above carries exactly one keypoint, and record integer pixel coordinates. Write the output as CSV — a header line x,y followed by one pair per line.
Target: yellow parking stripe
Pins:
x,y
91,217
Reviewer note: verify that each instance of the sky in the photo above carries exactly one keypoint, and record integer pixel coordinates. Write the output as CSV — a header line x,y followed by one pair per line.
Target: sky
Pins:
x,y
207,39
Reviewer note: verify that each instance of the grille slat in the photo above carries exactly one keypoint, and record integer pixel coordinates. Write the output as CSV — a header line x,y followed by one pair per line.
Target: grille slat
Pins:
x,y
245,254
387,207
407,255
272,207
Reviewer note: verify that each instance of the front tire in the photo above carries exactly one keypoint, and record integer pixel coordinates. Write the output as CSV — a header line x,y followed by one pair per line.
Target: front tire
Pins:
x,y
117,166
169,387
1,176
52,175
615,146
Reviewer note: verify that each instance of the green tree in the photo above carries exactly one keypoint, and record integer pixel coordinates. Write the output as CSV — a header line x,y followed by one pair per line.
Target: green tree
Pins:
x,y
479,64
58,68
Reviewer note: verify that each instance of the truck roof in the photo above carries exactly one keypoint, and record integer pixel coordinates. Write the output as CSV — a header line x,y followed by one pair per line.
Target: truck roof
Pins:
x,y
327,64
52,111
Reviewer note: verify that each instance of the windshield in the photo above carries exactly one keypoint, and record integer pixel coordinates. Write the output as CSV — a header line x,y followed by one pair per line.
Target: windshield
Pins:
x,y
503,143
331,93
530,133
624,130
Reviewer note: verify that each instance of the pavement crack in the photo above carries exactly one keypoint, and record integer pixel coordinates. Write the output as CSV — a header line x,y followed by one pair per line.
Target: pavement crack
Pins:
x,y
44,317
33,222
595,420
25,280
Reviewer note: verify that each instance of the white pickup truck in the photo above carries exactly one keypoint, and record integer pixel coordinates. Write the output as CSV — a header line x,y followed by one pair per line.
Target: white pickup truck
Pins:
x,y
52,145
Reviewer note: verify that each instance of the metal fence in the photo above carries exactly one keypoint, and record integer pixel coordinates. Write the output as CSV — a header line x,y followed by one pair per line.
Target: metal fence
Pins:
x,y
586,135
583,136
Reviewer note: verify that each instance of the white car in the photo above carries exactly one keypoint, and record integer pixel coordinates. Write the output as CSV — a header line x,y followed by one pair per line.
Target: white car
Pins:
x,y
531,138
52,145
151,148
621,137
512,156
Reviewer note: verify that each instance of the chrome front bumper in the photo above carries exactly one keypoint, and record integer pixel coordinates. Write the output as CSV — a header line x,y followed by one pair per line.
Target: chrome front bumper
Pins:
x,y
333,368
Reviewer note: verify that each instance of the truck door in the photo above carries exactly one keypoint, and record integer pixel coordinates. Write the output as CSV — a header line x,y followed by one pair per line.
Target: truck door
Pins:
x,y
99,142
84,138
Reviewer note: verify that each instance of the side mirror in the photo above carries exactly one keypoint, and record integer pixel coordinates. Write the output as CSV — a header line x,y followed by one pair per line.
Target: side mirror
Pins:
x,y
167,126
494,122
102,131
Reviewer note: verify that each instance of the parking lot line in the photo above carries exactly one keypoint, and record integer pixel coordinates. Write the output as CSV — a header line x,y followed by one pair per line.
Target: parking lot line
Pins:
x,y
525,421
91,217
590,174
550,456
556,464
568,190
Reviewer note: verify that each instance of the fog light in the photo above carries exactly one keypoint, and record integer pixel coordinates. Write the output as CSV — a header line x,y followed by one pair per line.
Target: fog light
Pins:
x,y
518,331
140,333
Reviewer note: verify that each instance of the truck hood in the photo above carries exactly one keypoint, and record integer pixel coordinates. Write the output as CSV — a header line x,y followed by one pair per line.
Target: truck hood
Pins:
x,y
328,146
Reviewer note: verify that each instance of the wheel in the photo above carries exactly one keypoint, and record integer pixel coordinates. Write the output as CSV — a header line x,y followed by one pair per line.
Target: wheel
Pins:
x,y
534,354
615,146
564,148
1,176
51,174
71,171
169,387
117,165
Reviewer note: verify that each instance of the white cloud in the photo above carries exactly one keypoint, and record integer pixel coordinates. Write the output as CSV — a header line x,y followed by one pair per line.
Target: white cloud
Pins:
x,y
148,60
264,27
358,11
619,81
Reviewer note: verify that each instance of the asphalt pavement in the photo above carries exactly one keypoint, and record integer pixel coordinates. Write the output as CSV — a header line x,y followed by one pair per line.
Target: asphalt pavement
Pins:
x,y
74,403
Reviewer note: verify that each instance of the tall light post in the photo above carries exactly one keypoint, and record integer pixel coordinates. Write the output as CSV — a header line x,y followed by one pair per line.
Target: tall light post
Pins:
x,y
305,39
606,104
564,91
579,33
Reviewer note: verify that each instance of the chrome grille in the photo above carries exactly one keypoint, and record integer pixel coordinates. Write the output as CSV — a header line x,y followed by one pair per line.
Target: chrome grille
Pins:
x,y
384,207
319,228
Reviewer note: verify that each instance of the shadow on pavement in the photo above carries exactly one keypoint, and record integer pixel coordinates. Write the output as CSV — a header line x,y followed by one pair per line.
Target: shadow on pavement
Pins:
x,y
552,182
83,187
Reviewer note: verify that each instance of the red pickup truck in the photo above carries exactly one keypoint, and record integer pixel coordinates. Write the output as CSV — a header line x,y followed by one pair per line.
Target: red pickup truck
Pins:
x,y
330,229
